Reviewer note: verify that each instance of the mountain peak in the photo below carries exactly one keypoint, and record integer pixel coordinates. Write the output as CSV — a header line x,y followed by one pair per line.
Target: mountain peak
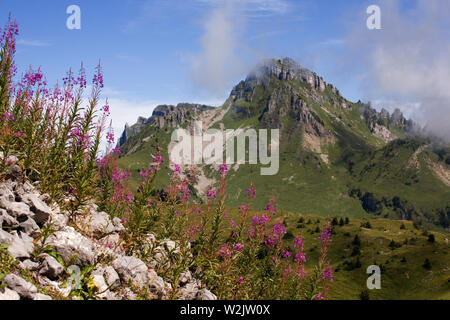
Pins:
x,y
287,69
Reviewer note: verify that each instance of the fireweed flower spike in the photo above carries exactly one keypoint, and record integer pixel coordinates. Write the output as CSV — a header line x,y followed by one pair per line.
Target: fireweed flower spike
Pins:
x,y
211,194
223,169
176,168
97,81
327,274
285,254
251,192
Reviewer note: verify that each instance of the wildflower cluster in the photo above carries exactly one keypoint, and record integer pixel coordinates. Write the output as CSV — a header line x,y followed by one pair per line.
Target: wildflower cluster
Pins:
x,y
54,136
238,254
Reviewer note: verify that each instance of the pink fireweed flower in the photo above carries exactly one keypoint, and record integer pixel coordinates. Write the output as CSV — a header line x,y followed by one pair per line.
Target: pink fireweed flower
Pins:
x,y
118,175
82,77
327,274
123,220
319,297
176,168
225,251
287,272
301,272
243,208
128,197
110,137
18,134
251,192
211,194
9,162
190,233
325,235
275,260
225,215
271,208
105,109
275,237
299,242
285,254
299,257
158,161
223,169
8,116
241,280
184,191
260,220
98,77
117,150
146,174
32,78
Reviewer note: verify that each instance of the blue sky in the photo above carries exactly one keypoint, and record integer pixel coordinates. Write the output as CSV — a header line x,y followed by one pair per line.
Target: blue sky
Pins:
x,y
170,51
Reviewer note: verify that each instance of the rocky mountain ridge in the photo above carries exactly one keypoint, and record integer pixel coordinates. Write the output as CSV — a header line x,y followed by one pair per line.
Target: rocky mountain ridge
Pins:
x,y
243,93
169,115
329,146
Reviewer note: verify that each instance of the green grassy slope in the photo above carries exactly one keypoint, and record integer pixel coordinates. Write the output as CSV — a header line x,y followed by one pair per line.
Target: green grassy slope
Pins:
x,y
364,176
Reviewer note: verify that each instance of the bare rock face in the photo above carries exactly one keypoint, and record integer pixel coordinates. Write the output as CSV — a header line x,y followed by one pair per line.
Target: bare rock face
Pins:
x,y
286,69
50,267
25,289
6,192
20,244
7,221
8,294
29,265
30,227
188,292
164,115
39,207
110,276
40,296
17,210
135,270
23,213
131,268
5,237
98,223
69,243
205,294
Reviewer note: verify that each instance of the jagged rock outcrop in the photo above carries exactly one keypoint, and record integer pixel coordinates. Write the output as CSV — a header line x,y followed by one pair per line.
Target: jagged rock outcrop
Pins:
x,y
90,238
380,123
164,115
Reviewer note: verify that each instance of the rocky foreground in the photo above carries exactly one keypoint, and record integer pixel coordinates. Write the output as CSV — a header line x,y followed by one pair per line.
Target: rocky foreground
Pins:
x,y
34,230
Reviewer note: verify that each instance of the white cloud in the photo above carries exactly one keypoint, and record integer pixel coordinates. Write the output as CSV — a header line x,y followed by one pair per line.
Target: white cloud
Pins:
x,y
408,60
225,54
218,64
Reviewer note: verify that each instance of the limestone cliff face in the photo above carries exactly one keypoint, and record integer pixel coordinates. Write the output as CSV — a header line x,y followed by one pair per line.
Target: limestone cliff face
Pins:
x,y
280,92
164,115
380,123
